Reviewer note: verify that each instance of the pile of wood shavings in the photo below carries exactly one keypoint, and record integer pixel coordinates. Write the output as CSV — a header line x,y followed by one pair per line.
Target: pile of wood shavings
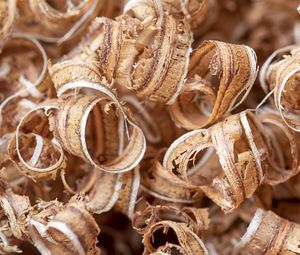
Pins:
x,y
147,127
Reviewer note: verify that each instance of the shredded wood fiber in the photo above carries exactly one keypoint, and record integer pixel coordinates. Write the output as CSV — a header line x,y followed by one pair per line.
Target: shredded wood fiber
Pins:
x,y
132,127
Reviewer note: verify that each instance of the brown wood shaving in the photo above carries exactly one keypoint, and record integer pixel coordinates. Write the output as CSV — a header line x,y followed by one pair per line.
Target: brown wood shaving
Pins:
x,y
242,154
282,77
236,67
270,234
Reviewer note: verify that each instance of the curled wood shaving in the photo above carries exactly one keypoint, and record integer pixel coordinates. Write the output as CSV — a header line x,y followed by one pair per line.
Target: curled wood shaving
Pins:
x,y
49,226
39,165
188,241
71,229
159,70
270,234
192,107
282,77
236,68
36,164
265,67
82,236
278,172
242,152
197,219
69,126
